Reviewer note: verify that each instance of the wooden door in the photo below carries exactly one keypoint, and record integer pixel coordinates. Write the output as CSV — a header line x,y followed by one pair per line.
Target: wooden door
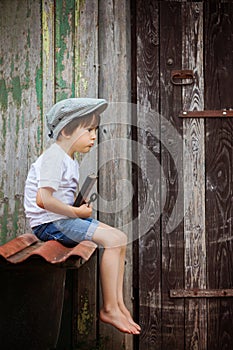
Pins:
x,y
184,258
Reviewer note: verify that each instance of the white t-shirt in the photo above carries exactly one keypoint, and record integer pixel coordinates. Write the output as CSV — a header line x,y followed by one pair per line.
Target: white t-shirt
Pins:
x,y
55,169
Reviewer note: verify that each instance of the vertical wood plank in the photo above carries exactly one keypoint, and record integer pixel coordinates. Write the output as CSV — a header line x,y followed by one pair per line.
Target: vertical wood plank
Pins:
x,y
64,87
20,107
218,82
148,152
86,48
64,49
114,164
86,85
194,177
172,165
48,23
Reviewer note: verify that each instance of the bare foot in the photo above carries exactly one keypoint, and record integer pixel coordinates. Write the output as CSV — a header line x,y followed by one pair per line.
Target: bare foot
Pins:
x,y
128,316
118,320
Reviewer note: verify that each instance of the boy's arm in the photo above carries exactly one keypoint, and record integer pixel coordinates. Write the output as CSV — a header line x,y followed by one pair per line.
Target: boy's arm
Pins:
x,y
45,200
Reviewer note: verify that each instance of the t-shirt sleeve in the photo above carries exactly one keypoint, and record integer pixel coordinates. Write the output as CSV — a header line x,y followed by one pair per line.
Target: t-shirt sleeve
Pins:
x,y
50,170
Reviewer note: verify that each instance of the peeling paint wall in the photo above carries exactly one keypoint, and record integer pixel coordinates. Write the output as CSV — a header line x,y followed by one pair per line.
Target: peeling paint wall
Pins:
x,y
64,49
50,50
20,107
37,54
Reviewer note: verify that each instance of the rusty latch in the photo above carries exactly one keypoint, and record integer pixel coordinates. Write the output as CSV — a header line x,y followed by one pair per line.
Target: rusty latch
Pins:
x,y
182,77
201,293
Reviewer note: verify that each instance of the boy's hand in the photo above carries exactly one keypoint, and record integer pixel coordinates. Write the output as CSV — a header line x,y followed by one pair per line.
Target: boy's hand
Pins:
x,y
84,211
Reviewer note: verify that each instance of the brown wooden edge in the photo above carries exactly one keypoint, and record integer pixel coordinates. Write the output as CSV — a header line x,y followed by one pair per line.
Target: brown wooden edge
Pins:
x,y
201,293
206,114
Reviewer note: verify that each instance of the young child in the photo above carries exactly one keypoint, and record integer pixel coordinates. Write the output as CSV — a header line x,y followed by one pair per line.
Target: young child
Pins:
x,y
49,196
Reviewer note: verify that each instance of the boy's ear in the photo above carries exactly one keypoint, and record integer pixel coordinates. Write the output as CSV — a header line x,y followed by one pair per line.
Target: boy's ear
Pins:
x,y
63,133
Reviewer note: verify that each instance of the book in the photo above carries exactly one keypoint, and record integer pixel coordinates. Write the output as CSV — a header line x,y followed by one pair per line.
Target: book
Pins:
x,y
85,190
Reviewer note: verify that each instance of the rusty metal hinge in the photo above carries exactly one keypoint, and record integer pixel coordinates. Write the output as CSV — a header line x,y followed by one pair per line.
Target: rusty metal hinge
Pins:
x,y
207,114
182,77
201,293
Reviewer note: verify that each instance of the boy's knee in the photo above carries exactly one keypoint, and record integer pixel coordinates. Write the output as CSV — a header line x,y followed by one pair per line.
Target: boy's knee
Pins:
x,y
124,237
109,237
121,238
117,239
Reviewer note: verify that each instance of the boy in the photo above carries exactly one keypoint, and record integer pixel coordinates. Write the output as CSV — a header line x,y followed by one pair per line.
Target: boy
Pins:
x,y
49,196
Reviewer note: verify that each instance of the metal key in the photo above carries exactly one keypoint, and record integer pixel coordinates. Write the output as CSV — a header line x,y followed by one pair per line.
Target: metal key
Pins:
x,y
92,199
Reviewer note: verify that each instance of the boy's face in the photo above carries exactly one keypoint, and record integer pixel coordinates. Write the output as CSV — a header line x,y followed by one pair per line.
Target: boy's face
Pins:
x,y
82,139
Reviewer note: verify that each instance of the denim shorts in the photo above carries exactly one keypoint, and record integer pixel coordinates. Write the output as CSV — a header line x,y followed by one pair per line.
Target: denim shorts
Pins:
x,y
69,232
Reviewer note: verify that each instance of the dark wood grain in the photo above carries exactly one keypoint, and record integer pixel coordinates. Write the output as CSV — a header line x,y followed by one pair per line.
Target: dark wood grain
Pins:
x,y
148,123
218,84
172,242
194,178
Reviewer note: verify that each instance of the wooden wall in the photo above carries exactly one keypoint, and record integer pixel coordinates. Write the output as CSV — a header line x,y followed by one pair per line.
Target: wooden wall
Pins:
x,y
51,50
189,247
21,98
179,230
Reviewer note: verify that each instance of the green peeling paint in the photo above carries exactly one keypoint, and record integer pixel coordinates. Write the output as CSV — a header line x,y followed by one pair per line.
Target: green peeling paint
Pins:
x,y
39,136
78,6
28,39
17,127
22,121
85,318
3,224
39,86
16,91
3,107
26,84
3,95
12,67
79,80
15,216
64,27
9,220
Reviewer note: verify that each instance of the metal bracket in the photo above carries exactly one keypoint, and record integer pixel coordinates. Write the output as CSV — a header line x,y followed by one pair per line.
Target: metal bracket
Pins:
x,y
182,77
207,114
201,293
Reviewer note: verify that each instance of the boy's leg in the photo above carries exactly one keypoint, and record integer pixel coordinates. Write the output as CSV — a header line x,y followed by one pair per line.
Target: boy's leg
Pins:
x,y
120,297
112,240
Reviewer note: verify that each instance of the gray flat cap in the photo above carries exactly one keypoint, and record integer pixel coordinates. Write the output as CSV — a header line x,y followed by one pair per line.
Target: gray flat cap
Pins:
x,y
65,111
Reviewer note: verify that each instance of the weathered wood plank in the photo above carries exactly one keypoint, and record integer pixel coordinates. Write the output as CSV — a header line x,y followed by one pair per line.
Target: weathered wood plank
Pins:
x,y
114,157
148,153
172,165
48,23
20,107
86,85
64,87
64,49
218,79
194,178
86,48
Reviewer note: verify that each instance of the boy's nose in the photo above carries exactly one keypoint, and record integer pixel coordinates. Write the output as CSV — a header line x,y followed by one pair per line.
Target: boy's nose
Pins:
x,y
93,134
